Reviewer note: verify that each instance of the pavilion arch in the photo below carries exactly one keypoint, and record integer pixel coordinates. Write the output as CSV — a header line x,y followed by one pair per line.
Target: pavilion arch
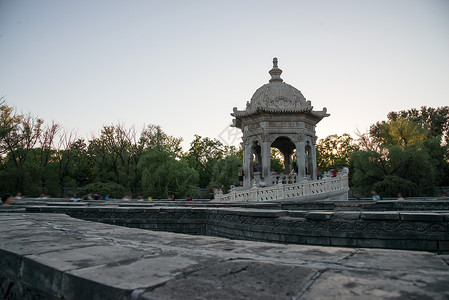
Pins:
x,y
287,147
308,160
256,158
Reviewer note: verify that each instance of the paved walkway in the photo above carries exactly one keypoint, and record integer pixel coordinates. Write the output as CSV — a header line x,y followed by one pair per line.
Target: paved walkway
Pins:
x,y
74,259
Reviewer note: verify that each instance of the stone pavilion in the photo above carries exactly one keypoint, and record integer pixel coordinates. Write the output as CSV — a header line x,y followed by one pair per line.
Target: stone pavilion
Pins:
x,y
278,116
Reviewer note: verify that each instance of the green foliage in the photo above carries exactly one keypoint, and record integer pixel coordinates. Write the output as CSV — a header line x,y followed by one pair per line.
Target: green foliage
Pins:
x,y
225,172
391,185
102,189
276,160
435,120
335,151
408,153
395,154
399,132
18,135
162,173
203,155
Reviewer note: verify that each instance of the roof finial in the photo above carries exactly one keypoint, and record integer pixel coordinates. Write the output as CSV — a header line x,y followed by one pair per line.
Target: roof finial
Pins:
x,y
275,72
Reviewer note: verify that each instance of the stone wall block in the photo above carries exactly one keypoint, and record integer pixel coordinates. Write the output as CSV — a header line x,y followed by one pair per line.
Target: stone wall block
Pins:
x,y
379,215
317,215
432,217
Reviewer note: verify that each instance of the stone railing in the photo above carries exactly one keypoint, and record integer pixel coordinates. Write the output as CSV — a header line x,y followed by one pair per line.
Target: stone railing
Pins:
x,y
336,187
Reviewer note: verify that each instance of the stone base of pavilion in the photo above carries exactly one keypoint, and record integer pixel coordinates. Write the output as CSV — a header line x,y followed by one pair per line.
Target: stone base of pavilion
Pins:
x,y
334,189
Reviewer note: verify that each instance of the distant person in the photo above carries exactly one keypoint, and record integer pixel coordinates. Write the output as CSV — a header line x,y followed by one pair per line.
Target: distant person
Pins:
x,y
150,198
212,192
375,195
107,197
345,170
74,198
171,196
189,198
400,197
7,199
18,196
262,182
443,195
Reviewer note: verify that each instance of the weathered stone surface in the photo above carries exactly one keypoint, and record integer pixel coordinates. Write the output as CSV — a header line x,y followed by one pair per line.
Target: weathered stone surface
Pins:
x,y
223,280
297,213
263,213
319,215
422,216
346,215
379,215
126,263
362,284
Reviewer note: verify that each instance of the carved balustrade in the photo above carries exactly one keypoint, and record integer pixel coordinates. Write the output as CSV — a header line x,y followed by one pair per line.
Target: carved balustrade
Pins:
x,y
285,191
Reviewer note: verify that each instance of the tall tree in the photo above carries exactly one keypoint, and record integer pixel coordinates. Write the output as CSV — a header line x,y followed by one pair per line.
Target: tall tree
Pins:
x,y
162,173
435,120
45,154
396,157
335,151
64,158
19,134
225,172
81,166
202,156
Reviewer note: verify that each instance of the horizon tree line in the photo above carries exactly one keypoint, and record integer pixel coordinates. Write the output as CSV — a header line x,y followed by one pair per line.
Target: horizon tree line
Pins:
x,y
407,153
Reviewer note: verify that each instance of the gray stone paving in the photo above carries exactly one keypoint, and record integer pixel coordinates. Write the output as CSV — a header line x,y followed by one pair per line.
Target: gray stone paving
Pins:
x,y
54,256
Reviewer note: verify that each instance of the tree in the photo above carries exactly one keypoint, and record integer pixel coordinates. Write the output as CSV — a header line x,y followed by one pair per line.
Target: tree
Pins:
x,y
335,151
162,173
80,167
102,189
64,158
400,132
202,156
18,136
154,137
276,160
45,155
435,120
225,172
395,156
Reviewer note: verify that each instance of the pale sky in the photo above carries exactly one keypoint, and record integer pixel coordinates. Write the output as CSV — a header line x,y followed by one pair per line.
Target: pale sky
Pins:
x,y
184,65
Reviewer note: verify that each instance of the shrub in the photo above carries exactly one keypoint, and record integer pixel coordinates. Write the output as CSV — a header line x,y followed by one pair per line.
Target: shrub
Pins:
x,y
114,189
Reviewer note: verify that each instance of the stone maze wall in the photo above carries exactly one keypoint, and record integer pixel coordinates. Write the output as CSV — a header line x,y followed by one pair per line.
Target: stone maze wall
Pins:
x,y
54,256
393,225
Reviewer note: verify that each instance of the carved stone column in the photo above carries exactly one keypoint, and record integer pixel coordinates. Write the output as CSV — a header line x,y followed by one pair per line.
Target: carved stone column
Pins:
x,y
266,160
314,158
287,161
247,165
301,158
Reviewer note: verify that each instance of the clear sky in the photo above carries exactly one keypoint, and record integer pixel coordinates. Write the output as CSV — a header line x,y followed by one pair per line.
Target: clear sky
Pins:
x,y
184,65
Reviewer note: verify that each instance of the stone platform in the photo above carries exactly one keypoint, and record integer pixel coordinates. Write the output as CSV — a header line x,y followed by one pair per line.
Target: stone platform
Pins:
x,y
406,225
54,256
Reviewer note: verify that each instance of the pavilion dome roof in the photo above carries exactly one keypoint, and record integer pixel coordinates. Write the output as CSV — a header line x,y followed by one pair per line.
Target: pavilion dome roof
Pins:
x,y
276,96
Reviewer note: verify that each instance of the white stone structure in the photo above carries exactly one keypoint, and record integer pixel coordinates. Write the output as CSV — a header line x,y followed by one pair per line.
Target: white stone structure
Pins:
x,y
335,189
278,116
